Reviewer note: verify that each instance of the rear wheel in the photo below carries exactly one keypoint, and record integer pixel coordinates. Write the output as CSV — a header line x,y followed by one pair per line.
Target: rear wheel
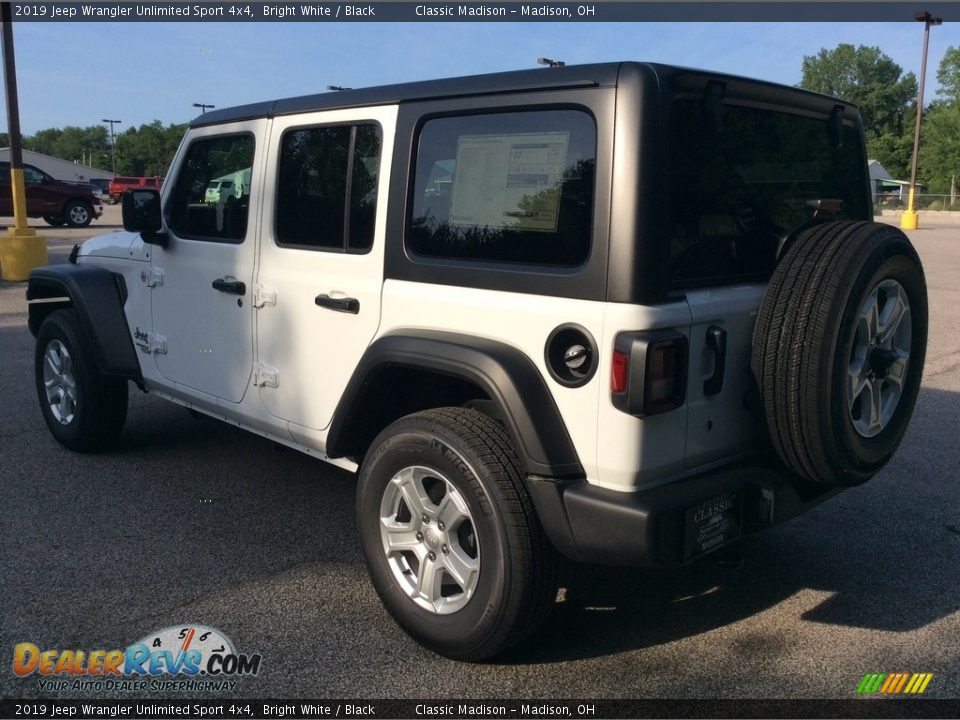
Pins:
x,y
839,348
84,410
454,546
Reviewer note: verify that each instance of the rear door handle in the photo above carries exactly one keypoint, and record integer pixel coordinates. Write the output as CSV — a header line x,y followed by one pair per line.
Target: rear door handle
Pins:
x,y
232,287
347,305
716,341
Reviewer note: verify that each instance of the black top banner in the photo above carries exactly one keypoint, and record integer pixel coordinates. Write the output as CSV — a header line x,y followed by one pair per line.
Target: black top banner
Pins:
x,y
478,11
481,709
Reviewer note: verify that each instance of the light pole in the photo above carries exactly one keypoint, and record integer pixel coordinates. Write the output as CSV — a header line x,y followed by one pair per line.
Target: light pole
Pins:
x,y
909,220
21,249
203,107
113,143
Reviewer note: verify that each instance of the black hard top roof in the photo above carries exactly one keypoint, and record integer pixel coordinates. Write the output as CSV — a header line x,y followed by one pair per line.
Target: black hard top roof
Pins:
x,y
571,76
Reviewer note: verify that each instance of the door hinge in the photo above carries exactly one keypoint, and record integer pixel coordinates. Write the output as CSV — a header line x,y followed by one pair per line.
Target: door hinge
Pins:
x,y
152,277
149,342
263,295
265,376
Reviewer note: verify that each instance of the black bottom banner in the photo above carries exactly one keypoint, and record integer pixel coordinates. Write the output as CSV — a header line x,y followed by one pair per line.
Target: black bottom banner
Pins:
x,y
448,709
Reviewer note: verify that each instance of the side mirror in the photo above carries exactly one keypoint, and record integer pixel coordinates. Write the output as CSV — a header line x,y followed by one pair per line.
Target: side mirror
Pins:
x,y
141,213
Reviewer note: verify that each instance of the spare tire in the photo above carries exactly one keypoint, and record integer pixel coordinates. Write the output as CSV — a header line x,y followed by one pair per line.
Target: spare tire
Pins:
x,y
838,349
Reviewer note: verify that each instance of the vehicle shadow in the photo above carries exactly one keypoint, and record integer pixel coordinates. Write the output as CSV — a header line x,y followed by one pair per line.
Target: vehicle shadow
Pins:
x,y
888,554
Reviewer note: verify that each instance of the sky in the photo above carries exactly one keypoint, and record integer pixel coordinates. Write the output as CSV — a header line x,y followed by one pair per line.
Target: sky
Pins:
x,y
80,73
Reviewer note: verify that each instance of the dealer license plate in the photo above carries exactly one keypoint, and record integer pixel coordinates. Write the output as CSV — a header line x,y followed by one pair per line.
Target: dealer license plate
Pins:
x,y
712,524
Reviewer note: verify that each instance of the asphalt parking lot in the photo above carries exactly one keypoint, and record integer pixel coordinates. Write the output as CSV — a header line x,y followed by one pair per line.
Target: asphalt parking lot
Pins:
x,y
191,521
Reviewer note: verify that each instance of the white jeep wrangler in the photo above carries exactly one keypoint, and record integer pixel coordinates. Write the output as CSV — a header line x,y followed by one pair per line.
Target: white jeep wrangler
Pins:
x,y
622,313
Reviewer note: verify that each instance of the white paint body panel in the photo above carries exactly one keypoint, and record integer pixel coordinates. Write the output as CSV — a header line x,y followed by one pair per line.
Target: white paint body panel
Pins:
x,y
521,320
214,346
209,334
315,349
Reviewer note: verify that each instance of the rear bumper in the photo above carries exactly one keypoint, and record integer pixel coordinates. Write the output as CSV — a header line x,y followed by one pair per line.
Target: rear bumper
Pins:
x,y
652,528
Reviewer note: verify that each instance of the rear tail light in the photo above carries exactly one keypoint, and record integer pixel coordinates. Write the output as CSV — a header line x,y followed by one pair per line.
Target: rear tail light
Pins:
x,y
618,377
649,372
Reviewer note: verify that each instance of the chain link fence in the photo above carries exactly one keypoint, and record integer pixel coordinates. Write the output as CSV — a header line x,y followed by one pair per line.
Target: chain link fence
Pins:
x,y
922,201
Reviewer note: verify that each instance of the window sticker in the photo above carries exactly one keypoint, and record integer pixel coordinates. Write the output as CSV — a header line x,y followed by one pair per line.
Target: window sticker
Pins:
x,y
509,181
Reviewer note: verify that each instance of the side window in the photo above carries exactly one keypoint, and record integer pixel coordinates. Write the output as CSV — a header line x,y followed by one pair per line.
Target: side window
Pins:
x,y
507,187
32,176
194,210
327,187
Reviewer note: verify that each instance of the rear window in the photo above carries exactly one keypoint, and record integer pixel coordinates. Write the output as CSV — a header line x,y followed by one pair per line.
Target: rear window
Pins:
x,y
507,187
126,181
741,181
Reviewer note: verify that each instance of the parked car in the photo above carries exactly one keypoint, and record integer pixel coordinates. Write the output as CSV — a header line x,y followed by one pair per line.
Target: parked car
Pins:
x,y
121,183
218,191
101,187
625,313
58,202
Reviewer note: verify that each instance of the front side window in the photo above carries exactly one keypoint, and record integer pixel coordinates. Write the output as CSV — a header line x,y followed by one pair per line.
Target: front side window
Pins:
x,y
196,213
741,181
327,187
33,176
508,187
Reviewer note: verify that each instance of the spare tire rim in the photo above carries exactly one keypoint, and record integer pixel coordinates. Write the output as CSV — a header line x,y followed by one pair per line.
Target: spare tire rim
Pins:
x,y
429,539
59,382
879,358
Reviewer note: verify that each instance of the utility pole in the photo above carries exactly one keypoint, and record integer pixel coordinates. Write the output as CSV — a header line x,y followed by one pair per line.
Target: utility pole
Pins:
x,y
22,249
113,143
910,220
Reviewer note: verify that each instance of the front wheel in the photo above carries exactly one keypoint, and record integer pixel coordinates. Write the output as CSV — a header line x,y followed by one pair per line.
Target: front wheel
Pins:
x,y
453,544
84,410
78,214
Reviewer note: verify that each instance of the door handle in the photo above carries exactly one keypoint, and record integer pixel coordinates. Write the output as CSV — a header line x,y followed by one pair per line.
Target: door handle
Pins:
x,y
716,341
347,305
231,287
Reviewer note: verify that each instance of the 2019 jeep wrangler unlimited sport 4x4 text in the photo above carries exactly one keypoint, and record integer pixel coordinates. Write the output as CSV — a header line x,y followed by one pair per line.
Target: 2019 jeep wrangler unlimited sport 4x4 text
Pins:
x,y
622,313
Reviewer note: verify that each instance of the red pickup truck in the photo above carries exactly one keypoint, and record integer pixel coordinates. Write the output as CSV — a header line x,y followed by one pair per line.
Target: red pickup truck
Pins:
x,y
119,184
56,201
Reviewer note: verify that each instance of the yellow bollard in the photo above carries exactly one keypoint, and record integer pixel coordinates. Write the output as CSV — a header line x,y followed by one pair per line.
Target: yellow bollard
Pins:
x,y
19,254
22,249
909,220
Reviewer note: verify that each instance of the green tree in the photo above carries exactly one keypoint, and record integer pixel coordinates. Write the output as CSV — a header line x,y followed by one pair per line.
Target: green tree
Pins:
x,y
948,75
866,76
940,145
148,149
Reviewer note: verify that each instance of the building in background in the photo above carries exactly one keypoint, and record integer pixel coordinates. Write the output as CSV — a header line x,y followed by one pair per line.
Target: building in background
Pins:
x,y
886,190
60,169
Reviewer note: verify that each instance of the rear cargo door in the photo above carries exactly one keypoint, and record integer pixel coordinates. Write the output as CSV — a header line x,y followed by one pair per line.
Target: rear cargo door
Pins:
x,y
719,419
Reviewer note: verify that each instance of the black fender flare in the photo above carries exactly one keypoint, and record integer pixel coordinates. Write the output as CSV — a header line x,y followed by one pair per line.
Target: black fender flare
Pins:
x,y
98,296
505,374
